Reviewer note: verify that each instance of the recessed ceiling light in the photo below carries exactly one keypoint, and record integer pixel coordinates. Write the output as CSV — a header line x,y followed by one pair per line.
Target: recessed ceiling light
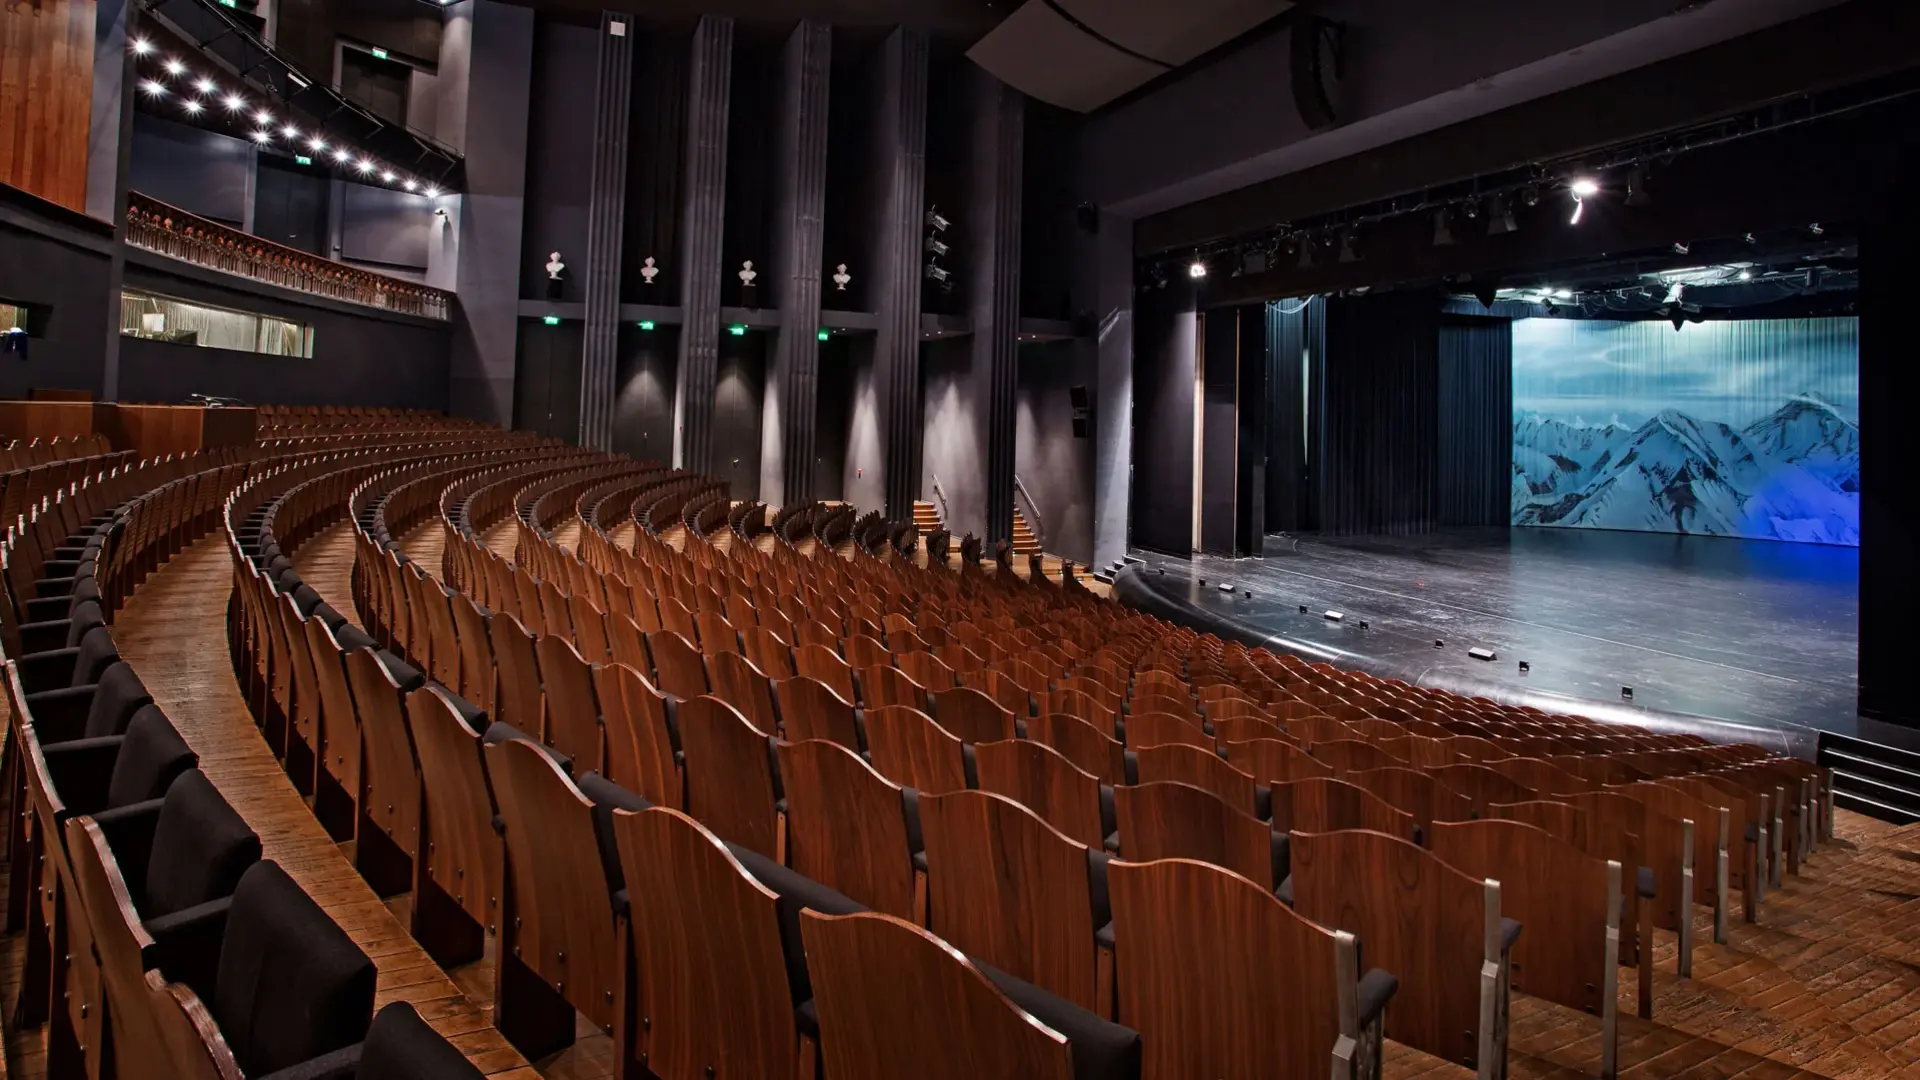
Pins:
x,y
263,135
364,166
316,144
263,118
192,107
409,185
174,67
141,46
289,132
152,88
387,177
205,85
342,154
235,103
431,192
1585,186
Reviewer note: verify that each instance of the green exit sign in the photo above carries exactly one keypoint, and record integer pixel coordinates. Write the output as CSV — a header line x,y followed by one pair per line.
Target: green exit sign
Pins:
x,y
228,3
302,159
377,50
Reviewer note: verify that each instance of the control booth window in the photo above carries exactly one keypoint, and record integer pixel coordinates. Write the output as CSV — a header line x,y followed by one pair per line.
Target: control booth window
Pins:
x,y
187,322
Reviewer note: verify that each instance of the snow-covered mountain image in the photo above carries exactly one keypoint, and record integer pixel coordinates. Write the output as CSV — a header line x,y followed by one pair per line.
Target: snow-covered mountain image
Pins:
x,y
1706,464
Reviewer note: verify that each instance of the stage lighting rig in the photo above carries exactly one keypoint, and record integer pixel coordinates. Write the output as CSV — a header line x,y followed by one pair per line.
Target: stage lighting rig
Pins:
x,y
1197,269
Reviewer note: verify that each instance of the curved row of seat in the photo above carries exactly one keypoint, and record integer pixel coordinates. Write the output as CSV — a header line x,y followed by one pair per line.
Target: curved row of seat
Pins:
x,y
757,792
159,942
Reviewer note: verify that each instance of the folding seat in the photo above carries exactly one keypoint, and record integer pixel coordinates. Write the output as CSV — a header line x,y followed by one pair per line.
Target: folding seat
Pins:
x,y
893,1000
1542,776
558,949
676,617
974,716
678,667
1350,755
1036,776
907,747
572,707
1182,707
1766,803
731,785
1199,766
847,828
1483,785
1001,687
1084,706
1170,820
1323,805
717,635
1040,928
472,639
1419,794
962,659
1157,728
769,652
1747,835
517,660
1090,749
886,685
1573,899
1206,1003
927,670
1452,961
388,830
89,711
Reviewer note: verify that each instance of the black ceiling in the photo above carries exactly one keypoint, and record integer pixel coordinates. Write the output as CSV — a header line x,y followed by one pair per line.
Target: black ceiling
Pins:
x,y
958,20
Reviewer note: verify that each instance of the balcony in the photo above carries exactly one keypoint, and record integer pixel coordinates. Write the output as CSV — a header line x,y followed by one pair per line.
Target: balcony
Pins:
x,y
167,230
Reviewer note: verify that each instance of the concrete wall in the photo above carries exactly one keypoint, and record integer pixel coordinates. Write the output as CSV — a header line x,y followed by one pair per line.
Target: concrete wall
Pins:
x,y
71,277
1055,468
955,450
861,479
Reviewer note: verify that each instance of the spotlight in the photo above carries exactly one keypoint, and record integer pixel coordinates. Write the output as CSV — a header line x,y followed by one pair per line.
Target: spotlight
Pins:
x,y
342,155
1816,230
1500,218
1673,292
192,106
939,276
1530,197
263,118
141,46
205,85
235,103
365,166
935,221
1472,209
152,88
936,247
174,67
431,192
1747,238
409,185
290,133
1585,187
1680,247
262,136
1746,275
1442,233
387,177
1637,187
1197,269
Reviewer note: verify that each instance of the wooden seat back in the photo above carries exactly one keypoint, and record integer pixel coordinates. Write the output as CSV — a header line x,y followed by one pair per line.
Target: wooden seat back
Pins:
x,y
340,736
896,1001
389,795
463,855
1483,785
1081,743
573,709
678,667
972,715
909,748
846,826
1415,792
514,652
1352,755
729,775
472,636
1213,1004
1008,890
1367,883
1180,821
1318,804
1275,761
1158,728
1038,777
739,683
639,738
1184,764
707,958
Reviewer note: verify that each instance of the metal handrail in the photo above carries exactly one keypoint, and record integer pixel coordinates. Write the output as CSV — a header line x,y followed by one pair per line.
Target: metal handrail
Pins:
x,y
941,494
1033,512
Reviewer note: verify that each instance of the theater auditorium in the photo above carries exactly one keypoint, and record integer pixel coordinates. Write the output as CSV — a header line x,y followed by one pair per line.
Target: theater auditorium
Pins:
x,y
1385,556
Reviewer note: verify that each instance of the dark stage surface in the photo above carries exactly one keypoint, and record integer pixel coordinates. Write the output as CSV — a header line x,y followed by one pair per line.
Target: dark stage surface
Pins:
x,y
1713,634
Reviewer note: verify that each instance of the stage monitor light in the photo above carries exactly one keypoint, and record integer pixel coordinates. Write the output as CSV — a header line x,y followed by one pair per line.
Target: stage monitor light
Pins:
x,y
1333,616
1364,626
1197,269
1226,586
1479,653
646,324
1626,693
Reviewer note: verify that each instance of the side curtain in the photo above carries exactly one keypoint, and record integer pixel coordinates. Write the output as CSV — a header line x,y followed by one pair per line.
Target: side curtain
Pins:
x,y
1476,420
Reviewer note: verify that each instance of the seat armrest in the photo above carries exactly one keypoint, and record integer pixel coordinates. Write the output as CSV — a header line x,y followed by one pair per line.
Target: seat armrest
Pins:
x,y
60,715
47,608
129,834
1376,989
48,669
341,1064
82,769
54,587
186,944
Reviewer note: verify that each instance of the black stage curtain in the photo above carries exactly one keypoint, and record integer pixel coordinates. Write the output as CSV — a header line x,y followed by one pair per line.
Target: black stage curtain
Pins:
x,y
1889,445
1219,434
1295,329
1161,507
1378,394
1476,420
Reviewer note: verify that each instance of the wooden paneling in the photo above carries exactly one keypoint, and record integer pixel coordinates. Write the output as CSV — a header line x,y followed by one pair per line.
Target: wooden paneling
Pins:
x,y
46,97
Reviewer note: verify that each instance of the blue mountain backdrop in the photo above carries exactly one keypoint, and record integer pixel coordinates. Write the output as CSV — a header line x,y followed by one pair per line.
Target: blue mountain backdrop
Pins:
x,y
1735,453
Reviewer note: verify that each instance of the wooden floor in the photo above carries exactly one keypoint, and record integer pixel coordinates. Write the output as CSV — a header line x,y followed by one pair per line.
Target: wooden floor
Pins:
x,y
1826,984
173,632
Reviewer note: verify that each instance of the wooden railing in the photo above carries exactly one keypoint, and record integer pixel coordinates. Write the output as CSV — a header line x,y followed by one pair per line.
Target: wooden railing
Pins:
x,y
171,231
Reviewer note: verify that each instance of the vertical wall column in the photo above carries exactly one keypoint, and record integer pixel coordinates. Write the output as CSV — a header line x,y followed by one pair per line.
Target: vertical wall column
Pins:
x,y
789,413
606,223
109,137
494,110
994,218
709,101
901,137
1106,274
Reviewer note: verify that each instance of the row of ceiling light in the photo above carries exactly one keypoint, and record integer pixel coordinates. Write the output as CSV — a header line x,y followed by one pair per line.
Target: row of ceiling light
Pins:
x,y
198,93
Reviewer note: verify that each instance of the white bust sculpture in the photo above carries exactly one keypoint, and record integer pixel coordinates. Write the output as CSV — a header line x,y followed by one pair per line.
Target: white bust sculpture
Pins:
x,y
841,277
748,273
555,266
648,271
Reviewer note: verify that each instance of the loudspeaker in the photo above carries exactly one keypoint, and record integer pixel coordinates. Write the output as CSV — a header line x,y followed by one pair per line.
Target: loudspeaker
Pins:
x,y
1317,65
1082,427
1078,396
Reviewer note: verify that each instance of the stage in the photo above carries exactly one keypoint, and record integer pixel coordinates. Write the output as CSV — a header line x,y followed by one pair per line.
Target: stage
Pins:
x,y
1737,639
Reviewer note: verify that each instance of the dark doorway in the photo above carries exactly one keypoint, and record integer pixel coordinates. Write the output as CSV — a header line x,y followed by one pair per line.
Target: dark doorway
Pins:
x,y
290,205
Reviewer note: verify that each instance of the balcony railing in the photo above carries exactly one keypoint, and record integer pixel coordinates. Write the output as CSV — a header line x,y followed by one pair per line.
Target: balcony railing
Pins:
x,y
168,230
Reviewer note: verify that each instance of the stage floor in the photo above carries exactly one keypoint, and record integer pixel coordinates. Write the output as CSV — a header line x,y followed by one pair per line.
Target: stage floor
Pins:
x,y
1708,631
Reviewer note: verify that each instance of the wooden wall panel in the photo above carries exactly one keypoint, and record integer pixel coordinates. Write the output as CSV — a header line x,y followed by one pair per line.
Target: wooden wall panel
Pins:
x,y
46,97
